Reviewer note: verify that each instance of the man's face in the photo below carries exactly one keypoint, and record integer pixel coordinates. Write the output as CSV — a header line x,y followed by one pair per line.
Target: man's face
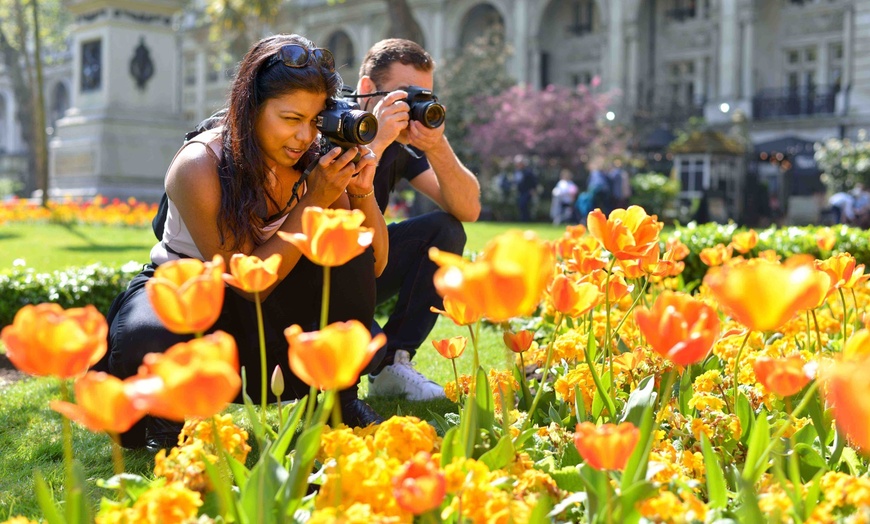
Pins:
x,y
400,76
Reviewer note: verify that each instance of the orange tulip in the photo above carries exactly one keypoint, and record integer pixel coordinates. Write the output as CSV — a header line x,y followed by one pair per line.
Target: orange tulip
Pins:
x,y
627,233
333,357
615,286
331,237
519,342
252,274
845,272
782,376
187,294
585,257
197,378
763,295
606,447
858,345
744,241
419,486
716,255
825,239
458,312
680,250
574,299
450,347
46,340
679,327
507,280
848,393
102,404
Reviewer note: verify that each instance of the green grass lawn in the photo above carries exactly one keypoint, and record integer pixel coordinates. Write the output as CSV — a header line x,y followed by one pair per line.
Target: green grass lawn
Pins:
x,y
30,432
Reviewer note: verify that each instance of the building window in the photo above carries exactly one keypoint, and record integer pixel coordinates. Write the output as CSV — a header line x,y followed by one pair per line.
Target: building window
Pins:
x,y
213,73
59,103
581,78
342,49
582,17
681,10
92,60
189,69
835,66
682,83
800,69
692,175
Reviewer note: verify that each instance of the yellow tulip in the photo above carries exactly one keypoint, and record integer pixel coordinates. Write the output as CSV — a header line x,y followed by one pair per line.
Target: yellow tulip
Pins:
x,y
252,274
187,294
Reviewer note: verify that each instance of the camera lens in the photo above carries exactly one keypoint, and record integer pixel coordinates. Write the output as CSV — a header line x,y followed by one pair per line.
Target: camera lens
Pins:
x,y
361,127
434,115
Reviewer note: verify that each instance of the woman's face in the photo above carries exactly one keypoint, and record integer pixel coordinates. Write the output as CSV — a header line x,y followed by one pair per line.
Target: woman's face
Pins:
x,y
285,127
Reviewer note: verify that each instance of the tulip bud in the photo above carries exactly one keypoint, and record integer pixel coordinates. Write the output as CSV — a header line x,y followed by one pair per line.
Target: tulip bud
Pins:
x,y
277,383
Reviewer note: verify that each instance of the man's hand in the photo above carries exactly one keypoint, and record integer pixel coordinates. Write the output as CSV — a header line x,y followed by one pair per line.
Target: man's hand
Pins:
x,y
393,116
424,138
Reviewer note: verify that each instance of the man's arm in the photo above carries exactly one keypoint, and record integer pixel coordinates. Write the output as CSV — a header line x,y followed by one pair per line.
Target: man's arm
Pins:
x,y
448,183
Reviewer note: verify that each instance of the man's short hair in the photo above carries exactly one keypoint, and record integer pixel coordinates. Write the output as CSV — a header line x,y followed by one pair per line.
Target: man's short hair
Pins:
x,y
383,54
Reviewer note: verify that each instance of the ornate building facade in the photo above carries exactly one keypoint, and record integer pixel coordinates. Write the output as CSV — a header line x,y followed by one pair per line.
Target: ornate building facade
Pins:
x,y
782,68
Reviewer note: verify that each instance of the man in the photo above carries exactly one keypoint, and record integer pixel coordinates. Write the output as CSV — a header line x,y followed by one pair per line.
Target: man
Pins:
x,y
526,182
407,149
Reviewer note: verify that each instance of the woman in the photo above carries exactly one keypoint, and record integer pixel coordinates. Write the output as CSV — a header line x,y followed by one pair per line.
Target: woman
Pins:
x,y
230,190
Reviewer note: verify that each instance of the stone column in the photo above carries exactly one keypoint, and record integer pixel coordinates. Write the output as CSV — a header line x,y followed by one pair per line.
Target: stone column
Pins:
x,y
747,80
613,70
729,50
846,77
859,96
520,62
632,63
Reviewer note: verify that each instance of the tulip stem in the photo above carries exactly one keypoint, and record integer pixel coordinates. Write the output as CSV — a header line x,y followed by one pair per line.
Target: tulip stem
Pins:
x,y
544,374
857,317
263,377
665,396
324,303
118,461
66,430
845,316
737,366
633,305
456,374
476,359
607,341
818,332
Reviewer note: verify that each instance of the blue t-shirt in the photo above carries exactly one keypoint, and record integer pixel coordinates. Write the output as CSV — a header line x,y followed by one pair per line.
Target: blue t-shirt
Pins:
x,y
396,163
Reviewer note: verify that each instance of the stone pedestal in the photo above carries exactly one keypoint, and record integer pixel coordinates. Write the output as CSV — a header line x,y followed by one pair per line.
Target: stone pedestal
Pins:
x,y
125,123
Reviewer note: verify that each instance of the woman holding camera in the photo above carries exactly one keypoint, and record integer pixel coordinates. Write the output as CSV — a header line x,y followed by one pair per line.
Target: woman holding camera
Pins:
x,y
230,190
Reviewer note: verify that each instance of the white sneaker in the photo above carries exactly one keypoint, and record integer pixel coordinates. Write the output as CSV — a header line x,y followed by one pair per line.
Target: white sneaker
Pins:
x,y
401,379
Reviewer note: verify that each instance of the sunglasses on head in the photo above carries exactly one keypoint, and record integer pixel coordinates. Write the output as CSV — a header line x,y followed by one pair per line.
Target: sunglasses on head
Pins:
x,y
295,55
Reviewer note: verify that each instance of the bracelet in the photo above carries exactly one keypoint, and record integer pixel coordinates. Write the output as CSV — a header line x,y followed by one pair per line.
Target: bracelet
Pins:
x,y
351,195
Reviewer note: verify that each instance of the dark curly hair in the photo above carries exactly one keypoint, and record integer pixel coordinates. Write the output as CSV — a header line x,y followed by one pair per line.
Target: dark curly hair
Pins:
x,y
243,168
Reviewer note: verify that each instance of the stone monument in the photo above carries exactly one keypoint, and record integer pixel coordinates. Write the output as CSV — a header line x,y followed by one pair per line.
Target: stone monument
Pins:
x,y
124,124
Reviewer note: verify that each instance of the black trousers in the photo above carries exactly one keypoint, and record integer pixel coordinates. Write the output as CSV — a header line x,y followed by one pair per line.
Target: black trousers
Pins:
x,y
135,330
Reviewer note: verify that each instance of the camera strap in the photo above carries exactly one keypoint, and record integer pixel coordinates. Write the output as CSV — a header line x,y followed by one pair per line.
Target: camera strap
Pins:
x,y
295,193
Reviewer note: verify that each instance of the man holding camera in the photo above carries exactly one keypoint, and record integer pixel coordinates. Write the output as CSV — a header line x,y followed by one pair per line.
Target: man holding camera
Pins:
x,y
396,81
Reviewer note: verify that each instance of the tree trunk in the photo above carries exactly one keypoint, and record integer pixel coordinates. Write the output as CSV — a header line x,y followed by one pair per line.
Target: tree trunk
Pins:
x,y
23,104
402,22
40,142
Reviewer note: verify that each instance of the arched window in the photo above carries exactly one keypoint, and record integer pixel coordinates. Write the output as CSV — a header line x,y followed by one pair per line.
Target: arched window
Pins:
x,y
342,49
478,21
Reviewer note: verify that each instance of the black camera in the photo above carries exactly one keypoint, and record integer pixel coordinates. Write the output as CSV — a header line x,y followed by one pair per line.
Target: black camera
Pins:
x,y
345,125
425,107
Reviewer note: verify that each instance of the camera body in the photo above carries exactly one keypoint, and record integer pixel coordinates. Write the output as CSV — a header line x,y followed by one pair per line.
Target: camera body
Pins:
x,y
425,107
345,125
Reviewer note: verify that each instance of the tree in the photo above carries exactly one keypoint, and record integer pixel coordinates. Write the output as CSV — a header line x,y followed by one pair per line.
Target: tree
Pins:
x,y
844,162
23,58
562,125
464,82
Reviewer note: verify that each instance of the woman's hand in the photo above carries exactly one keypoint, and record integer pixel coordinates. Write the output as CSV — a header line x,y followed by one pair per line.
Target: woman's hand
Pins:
x,y
330,177
363,182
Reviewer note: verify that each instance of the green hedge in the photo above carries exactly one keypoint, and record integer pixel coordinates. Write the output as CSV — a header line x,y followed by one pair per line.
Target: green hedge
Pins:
x,y
786,241
95,284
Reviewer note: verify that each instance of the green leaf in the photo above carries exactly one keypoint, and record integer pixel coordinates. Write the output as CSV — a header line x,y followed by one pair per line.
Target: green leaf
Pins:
x,y
598,401
440,422
524,436
259,500
251,410
579,404
76,505
468,425
685,394
630,498
499,456
643,397
451,446
223,488
285,437
484,403
757,450
45,498
746,416
817,416
526,396
569,479
635,468
748,510
540,514
306,449
716,491
811,498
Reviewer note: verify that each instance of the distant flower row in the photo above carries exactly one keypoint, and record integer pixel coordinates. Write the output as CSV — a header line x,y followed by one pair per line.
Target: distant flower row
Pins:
x,y
96,211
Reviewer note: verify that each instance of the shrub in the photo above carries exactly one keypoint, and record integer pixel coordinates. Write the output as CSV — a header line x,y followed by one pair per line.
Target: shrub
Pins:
x,y
654,192
785,241
75,287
